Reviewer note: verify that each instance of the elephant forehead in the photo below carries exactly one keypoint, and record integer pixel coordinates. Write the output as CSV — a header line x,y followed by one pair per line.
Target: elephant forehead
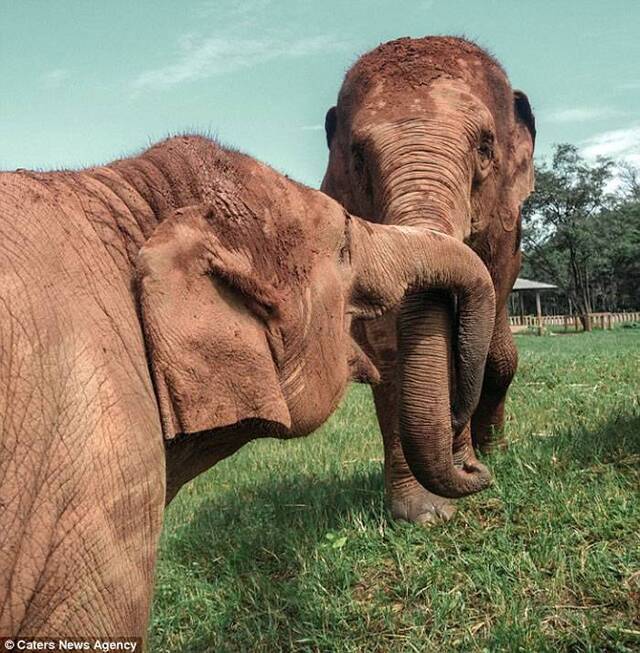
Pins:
x,y
447,94
441,97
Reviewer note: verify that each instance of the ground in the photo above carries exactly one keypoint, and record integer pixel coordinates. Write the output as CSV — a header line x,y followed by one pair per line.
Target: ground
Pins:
x,y
287,546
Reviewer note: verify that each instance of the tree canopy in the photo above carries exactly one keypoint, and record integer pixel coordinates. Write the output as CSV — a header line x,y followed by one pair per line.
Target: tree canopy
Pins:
x,y
581,231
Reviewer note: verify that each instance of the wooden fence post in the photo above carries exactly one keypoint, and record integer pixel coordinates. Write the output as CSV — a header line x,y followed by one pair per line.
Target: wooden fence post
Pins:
x,y
539,311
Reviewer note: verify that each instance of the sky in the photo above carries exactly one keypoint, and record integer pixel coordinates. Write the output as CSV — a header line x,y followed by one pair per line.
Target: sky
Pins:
x,y
86,82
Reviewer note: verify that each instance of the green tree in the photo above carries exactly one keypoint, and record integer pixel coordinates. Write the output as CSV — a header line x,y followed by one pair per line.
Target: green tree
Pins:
x,y
618,243
563,225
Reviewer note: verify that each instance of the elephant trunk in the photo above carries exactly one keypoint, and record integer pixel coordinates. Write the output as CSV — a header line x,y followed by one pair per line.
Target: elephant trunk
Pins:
x,y
424,175
429,268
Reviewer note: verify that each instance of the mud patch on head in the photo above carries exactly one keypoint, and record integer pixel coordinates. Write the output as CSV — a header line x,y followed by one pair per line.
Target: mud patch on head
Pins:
x,y
419,61
252,214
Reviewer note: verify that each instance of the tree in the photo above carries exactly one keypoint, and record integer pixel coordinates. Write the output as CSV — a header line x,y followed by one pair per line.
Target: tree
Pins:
x,y
582,232
618,244
630,178
563,230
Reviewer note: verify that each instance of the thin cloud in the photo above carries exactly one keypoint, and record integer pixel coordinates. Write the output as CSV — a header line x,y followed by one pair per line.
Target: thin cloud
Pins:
x,y
622,144
632,85
199,58
580,114
55,78
236,9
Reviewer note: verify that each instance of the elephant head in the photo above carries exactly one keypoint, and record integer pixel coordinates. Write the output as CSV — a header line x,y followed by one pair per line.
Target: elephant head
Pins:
x,y
428,133
247,298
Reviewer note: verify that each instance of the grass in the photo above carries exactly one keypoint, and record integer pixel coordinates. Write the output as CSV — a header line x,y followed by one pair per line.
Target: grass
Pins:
x,y
287,546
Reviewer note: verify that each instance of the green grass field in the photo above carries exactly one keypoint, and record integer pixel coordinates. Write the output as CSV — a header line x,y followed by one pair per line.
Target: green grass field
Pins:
x,y
287,546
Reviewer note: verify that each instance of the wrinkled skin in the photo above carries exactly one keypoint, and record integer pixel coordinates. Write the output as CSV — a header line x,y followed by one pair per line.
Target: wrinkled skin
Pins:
x,y
428,132
156,314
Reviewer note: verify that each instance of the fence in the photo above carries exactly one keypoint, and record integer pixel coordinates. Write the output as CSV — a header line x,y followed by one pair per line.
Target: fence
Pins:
x,y
598,320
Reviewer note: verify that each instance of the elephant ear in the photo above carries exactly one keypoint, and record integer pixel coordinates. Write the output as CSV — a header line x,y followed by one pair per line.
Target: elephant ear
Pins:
x,y
205,322
524,144
520,172
330,124
524,114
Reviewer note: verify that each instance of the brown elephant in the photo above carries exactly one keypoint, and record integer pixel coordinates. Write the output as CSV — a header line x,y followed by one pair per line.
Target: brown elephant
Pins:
x,y
428,132
156,314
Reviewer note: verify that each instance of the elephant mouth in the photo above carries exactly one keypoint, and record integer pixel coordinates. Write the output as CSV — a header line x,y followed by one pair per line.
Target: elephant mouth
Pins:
x,y
361,368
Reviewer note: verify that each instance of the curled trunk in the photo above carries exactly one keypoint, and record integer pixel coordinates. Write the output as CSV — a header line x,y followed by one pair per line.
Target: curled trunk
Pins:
x,y
430,268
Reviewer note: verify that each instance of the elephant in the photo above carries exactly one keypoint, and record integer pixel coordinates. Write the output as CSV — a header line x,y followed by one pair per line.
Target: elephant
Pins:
x,y
428,133
157,313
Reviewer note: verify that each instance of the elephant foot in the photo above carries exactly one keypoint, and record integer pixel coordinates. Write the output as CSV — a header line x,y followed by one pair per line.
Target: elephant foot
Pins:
x,y
491,445
421,507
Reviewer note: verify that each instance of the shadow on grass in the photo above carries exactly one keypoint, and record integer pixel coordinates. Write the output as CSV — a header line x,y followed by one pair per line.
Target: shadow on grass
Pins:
x,y
309,506
260,552
267,511
258,545
615,442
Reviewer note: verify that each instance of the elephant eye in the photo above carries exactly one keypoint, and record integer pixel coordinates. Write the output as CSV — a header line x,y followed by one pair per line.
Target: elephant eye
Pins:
x,y
485,156
485,147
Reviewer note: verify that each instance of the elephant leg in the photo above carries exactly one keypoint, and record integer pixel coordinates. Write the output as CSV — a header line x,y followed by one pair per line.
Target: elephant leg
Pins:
x,y
407,499
81,498
502,362
78,560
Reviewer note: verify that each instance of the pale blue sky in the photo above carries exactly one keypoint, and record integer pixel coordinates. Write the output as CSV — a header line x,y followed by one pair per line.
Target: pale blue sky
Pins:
x,y
85,82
